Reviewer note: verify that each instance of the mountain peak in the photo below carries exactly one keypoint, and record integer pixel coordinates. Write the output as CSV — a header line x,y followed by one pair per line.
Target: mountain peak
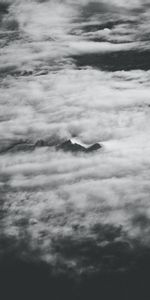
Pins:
x,y
75,147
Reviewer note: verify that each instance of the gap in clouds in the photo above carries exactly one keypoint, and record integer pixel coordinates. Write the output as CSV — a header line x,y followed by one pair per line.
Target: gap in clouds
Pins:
x,y
115,61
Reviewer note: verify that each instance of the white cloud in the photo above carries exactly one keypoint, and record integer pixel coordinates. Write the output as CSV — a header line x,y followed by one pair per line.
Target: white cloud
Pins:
x,y
60,190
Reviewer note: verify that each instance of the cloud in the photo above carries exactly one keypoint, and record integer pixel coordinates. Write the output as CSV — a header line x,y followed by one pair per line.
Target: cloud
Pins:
x,y
102,47
45,95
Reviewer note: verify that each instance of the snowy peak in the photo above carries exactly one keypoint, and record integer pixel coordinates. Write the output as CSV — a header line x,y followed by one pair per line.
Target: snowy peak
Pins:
x,y
75,147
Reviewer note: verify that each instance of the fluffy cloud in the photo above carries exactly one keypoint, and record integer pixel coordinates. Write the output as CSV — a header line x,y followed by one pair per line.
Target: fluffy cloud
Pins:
x,y
46,95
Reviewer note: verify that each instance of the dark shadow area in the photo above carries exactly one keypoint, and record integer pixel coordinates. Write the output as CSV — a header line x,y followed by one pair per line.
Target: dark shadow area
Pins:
x,y
115,61
109,25
141,220
4,7
35,280
116,270
4,10
27,145
94,8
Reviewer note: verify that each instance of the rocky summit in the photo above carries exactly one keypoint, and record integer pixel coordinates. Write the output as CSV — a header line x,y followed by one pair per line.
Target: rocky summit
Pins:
x,y
75,147
25,145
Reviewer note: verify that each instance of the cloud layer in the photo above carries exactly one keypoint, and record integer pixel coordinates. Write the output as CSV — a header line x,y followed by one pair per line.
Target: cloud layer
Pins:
x,y
75,70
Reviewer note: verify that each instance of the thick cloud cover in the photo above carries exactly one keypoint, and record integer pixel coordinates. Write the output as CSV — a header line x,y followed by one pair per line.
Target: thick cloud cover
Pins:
x,y
75,69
